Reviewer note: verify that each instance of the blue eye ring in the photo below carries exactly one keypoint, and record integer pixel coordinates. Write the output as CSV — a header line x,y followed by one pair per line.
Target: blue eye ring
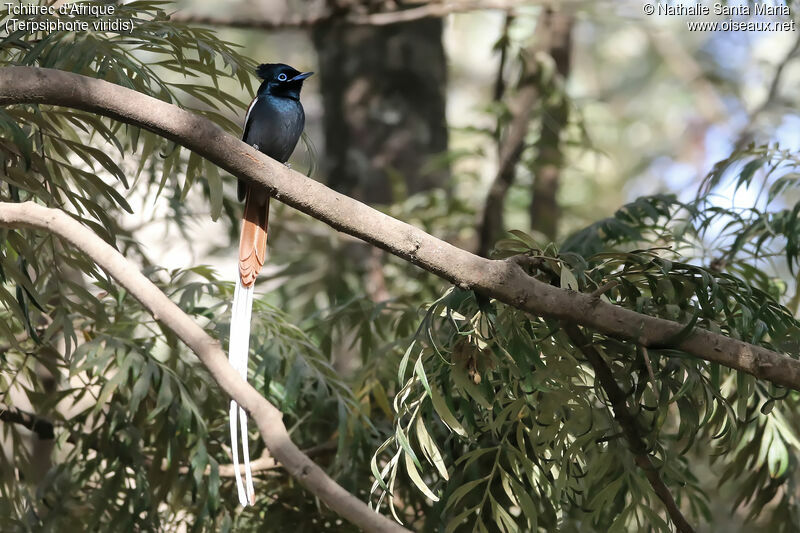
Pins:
x,y
282,77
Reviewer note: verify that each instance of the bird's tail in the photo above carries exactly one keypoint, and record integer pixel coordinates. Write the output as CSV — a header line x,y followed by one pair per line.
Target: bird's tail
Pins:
x,y
253,240
252,253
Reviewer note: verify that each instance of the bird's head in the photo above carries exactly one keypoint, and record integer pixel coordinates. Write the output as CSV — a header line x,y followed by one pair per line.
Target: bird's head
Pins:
x,y
281,80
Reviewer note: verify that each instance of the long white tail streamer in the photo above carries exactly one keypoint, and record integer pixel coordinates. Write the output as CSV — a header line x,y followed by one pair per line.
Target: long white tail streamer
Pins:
x,y
238,351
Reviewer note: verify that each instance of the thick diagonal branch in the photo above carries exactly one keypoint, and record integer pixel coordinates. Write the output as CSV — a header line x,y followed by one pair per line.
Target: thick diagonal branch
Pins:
x,y
504,280
267,417
627,422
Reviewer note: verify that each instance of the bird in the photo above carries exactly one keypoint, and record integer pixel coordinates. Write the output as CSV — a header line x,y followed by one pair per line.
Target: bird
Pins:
x,y
273,125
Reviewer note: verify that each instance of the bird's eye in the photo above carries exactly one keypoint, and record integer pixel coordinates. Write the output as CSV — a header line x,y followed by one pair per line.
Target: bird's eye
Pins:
x,y
282,77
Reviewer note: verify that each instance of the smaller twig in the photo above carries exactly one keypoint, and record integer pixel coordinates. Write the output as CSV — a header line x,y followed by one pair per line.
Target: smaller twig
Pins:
x,y
510,149
18,338
604,288
686,67
772,94
544,209
500,81
45,429
794,303
527,262
649,365
776,79
42,427
265,462
627,422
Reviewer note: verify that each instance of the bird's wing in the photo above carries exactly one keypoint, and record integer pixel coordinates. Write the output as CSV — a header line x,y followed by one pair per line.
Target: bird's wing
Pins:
x,y
241,190
246,125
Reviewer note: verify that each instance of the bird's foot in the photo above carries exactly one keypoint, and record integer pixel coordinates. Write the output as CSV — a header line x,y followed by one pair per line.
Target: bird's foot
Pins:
x,y
255,146
288,165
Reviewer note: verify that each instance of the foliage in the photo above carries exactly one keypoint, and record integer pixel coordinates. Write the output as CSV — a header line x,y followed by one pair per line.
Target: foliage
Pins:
x,y
518,435
448,411
142,422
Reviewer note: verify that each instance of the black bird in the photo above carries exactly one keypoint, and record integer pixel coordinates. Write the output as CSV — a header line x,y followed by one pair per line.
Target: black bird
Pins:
x,y
273,125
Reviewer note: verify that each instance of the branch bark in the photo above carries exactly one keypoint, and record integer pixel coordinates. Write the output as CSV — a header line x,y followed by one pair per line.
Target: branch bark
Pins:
x,y
385,18
504,280
267,417
628,423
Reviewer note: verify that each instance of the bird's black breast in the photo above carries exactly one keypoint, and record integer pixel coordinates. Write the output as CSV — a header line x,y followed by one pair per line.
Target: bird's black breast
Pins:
x,y
274,125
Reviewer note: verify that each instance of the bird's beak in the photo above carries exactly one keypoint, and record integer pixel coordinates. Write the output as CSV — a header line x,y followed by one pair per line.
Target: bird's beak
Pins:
x,y
301,76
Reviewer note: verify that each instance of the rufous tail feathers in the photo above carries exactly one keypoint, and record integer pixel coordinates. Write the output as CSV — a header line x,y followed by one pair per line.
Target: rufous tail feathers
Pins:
x,y
253,240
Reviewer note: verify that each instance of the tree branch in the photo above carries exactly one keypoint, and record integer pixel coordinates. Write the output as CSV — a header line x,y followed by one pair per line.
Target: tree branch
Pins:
x,y
267,417
689,71
267,462
544,210
504,280
628,424
41,426
45,429
511,145
353,18
746,135
15,341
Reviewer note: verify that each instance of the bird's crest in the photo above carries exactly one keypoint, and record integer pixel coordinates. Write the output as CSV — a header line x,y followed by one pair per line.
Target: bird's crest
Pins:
x,y
266,71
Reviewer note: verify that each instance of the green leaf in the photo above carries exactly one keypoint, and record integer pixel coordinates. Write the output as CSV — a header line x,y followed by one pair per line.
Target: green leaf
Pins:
x,y
402,440
141,387
457,495
502,519
164,397
419,370
529,241
199,462
110,386
457,520
777,458
440,405
568,279
214,190
401,370
523,499
377,474
413,473
430,449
